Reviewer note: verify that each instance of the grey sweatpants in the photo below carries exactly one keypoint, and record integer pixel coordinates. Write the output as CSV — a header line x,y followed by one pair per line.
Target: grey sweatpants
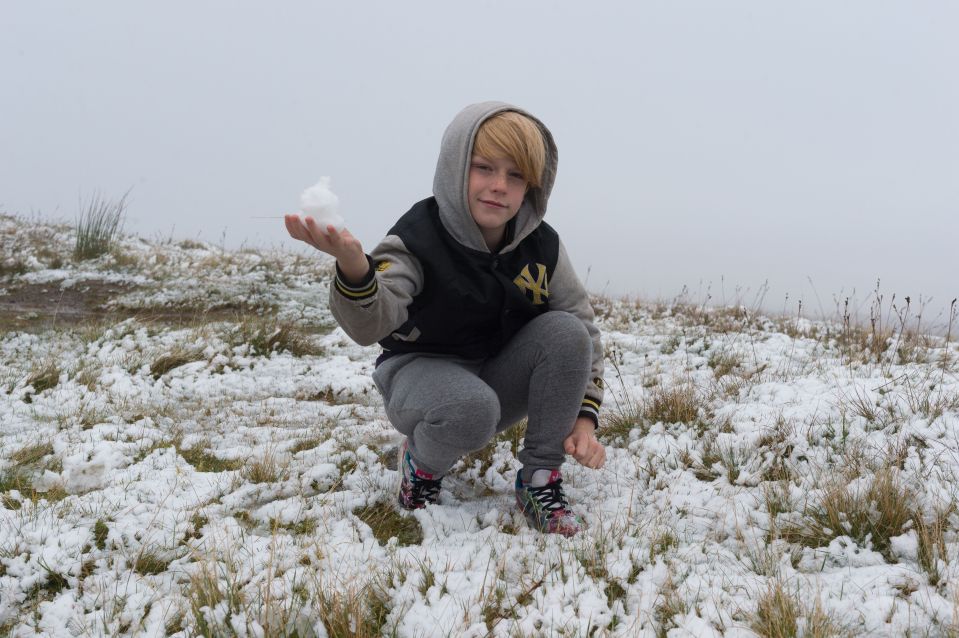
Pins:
x,y
448,406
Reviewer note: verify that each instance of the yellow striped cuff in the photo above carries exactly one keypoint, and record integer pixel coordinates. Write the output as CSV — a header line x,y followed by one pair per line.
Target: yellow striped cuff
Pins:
x,y
356,293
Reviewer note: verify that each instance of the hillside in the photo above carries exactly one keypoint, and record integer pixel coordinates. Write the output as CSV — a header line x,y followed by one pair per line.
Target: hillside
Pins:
x,y
190,446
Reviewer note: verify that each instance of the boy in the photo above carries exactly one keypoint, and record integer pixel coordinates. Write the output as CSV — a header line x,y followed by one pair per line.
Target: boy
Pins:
x,y
480,315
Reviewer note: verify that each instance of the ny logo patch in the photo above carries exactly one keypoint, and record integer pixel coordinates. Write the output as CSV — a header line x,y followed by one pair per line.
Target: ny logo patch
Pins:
x,y
537,288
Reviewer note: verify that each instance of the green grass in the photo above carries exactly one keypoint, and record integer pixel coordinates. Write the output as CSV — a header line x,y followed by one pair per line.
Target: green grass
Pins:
x,y
98,227
387,523
100,533
203,460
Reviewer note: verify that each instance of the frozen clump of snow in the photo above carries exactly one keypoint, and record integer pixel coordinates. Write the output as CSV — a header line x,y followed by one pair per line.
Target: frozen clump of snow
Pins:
x,y
87,471
322,204
906,546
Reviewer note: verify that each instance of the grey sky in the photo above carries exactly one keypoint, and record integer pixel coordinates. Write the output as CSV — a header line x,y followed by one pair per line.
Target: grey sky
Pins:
x,y
708,144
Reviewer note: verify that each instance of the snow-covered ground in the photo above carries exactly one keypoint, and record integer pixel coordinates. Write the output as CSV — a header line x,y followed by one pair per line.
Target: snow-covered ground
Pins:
x,y
204,453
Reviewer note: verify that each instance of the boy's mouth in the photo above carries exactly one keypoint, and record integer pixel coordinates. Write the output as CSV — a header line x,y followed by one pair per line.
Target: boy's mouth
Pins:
x,y
492,203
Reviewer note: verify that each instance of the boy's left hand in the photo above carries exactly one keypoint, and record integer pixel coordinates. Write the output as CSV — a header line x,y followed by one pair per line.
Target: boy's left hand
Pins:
x,y
584,447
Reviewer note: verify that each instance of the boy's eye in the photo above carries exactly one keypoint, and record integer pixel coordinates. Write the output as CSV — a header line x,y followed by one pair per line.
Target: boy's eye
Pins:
x,y
482,167
516,175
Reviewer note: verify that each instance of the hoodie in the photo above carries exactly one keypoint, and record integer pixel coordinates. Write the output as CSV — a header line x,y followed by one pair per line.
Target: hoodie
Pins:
x,y
435,287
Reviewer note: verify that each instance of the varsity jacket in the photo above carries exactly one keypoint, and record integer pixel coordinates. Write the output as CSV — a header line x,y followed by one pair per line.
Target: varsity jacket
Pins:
x,y
435,287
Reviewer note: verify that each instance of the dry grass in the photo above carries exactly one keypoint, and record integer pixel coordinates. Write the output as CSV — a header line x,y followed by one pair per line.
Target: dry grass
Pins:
x,y
177,356
212,586
31,454
20,477
266,469
616,425
782,614
724,362
351,610
677,404
931,537
872,516
777,613
669,604
303,445
12,268
43,375
267,334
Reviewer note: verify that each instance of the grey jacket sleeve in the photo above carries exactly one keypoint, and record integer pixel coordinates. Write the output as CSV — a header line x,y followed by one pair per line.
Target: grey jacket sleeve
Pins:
x,y
566,293
373,308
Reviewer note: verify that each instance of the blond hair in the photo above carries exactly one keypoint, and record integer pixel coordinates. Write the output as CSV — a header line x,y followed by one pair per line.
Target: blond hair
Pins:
x,y
513,135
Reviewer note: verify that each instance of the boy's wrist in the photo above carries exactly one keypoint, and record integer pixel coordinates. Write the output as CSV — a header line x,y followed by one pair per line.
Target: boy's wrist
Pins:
x,y
354,272
585,424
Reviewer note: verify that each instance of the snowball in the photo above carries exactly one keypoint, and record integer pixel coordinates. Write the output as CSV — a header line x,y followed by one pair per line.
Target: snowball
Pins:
x,y
319,202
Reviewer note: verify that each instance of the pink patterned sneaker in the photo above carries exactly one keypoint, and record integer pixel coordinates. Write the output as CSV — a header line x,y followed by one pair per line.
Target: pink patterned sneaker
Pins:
x,y
417,488
544,504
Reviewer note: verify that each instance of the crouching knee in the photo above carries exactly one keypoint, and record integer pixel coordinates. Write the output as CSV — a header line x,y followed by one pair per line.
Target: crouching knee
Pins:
x,y
567,332
475,421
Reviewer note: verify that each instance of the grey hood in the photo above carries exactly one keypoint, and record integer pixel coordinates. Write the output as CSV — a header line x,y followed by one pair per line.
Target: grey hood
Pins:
x,y
452,177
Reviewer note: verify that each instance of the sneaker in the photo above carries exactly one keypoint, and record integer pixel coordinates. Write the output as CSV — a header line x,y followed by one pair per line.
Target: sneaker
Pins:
x,y
544,504
417,488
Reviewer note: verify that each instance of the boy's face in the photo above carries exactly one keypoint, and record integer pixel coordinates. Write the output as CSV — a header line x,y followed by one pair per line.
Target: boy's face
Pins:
x,y
495,193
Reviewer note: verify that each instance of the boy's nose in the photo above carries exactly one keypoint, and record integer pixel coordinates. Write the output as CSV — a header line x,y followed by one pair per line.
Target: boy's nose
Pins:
x,y
499,182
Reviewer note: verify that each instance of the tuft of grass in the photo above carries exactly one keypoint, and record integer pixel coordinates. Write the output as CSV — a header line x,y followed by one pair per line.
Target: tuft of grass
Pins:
x,y
669,605
723,362
930,400
178,356
20,479
930,535
203,460
387,523
355,611
100,533
617,424
875,515
150,562
663,540
12,268
777,613
781,614
302,527
32,454
44,375
48,588
265,469
98,227
266,334
197,522
678,404
209,588
778,500
305,444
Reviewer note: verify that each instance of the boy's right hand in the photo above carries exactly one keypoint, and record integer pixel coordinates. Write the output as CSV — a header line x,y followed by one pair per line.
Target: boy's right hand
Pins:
x,y
342,245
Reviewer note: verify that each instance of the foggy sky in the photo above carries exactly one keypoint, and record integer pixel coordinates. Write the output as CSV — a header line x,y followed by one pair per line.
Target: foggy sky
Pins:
x,y
712,145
